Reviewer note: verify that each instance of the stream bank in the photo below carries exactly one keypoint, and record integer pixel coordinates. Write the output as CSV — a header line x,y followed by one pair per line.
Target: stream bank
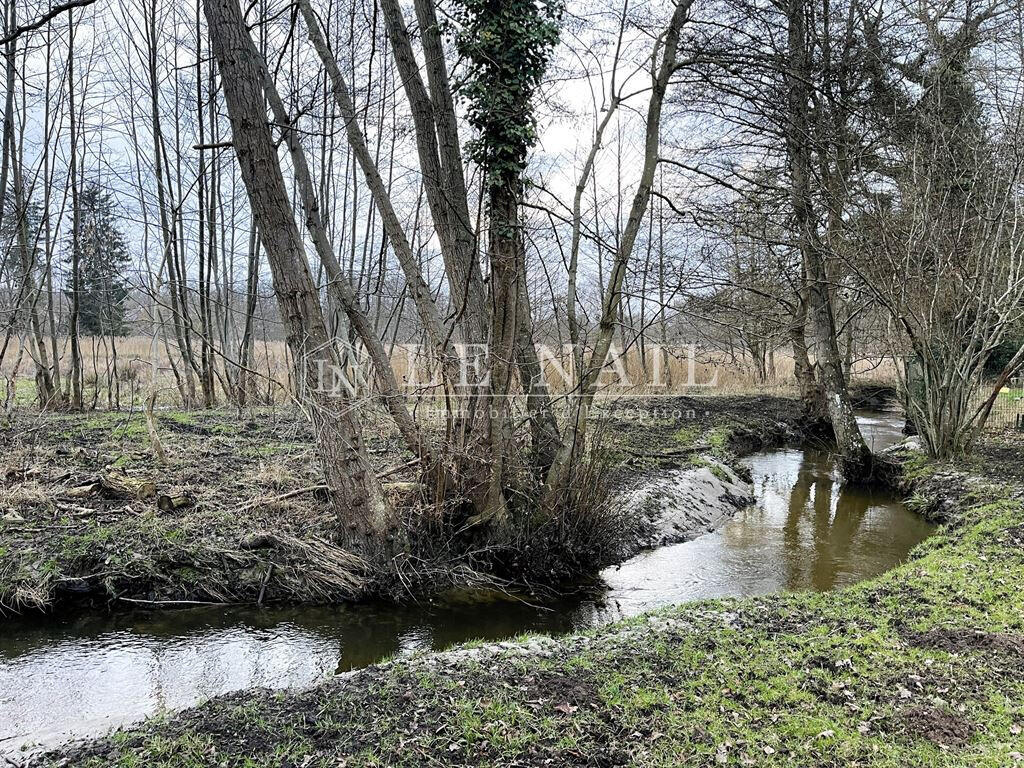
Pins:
x,y
81,676
920,666
236,515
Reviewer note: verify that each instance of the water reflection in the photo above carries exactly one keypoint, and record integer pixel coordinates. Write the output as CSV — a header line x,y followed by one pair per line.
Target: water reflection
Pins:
x,y
81,676
824,534
807,531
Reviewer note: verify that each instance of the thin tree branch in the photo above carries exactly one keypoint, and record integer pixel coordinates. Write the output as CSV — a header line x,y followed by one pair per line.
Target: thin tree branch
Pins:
x,y
55,11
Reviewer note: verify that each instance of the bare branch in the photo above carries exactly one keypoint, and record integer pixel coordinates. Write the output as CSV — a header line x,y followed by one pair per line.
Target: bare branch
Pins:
x,y
57,10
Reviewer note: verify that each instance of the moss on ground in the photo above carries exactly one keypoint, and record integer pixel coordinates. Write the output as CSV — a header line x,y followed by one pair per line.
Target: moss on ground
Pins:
x,y
687,435
920,667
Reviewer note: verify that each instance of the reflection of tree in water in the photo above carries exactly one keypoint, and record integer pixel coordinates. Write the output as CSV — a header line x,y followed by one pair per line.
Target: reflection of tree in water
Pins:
x,y
851,511
799,498
832,532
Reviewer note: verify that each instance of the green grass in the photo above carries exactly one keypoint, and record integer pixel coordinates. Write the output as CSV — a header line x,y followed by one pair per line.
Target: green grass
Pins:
x,y
718,438
178,417
687,436
25,392
133,430
117,427
697,462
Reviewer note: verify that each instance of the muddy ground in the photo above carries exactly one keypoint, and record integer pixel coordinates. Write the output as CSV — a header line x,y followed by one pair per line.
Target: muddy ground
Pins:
x,y
920,667
236,514
1000,456
89,514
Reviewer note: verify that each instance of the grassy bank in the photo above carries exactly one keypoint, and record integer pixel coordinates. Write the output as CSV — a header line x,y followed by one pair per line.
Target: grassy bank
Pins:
x,y
919,667
236,514
89,515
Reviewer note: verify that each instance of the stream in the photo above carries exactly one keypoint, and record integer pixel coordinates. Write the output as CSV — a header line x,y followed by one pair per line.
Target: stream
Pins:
x,y
80,676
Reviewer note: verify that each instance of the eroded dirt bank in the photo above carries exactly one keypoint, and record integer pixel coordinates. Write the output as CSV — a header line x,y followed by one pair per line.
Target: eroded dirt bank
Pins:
x,y
237,515
918,667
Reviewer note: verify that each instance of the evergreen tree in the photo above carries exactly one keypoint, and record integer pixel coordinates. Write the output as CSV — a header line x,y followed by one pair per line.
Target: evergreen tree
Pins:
x,y
11,257
103,256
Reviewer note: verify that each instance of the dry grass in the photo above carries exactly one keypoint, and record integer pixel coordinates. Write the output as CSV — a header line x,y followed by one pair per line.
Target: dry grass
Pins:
x,y
631,373
27,493
274,474
142,366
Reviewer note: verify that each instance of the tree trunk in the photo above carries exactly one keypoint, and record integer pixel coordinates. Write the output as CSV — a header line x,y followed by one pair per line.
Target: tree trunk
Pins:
x,y
503,254
339,285
443,178
559,474
415,284
75,379
30,292
803,371
547,438
856,457
167,211
358,496
463,236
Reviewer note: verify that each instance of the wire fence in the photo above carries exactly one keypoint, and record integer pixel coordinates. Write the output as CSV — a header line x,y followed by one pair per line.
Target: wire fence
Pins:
x,y
1008,408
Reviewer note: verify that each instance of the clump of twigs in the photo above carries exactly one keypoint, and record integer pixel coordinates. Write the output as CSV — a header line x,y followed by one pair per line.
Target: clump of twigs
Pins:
x,y
435,545
582,533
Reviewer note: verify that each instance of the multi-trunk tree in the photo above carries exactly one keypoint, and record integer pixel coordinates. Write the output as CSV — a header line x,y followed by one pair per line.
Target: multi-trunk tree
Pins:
x,y
505,47
940,244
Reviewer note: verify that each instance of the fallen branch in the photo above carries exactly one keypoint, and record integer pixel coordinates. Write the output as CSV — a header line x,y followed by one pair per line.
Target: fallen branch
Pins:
x,y
673,454
114,485
316,489
396,470
263,586
283,497
139,601
170,502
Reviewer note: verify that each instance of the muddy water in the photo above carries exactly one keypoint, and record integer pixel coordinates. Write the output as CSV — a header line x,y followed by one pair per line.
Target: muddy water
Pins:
x,y
81,677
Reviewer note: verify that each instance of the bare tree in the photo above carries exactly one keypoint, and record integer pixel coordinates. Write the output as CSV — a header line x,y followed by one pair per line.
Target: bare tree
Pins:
x,y
856,456
358,497
942,249
666,57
